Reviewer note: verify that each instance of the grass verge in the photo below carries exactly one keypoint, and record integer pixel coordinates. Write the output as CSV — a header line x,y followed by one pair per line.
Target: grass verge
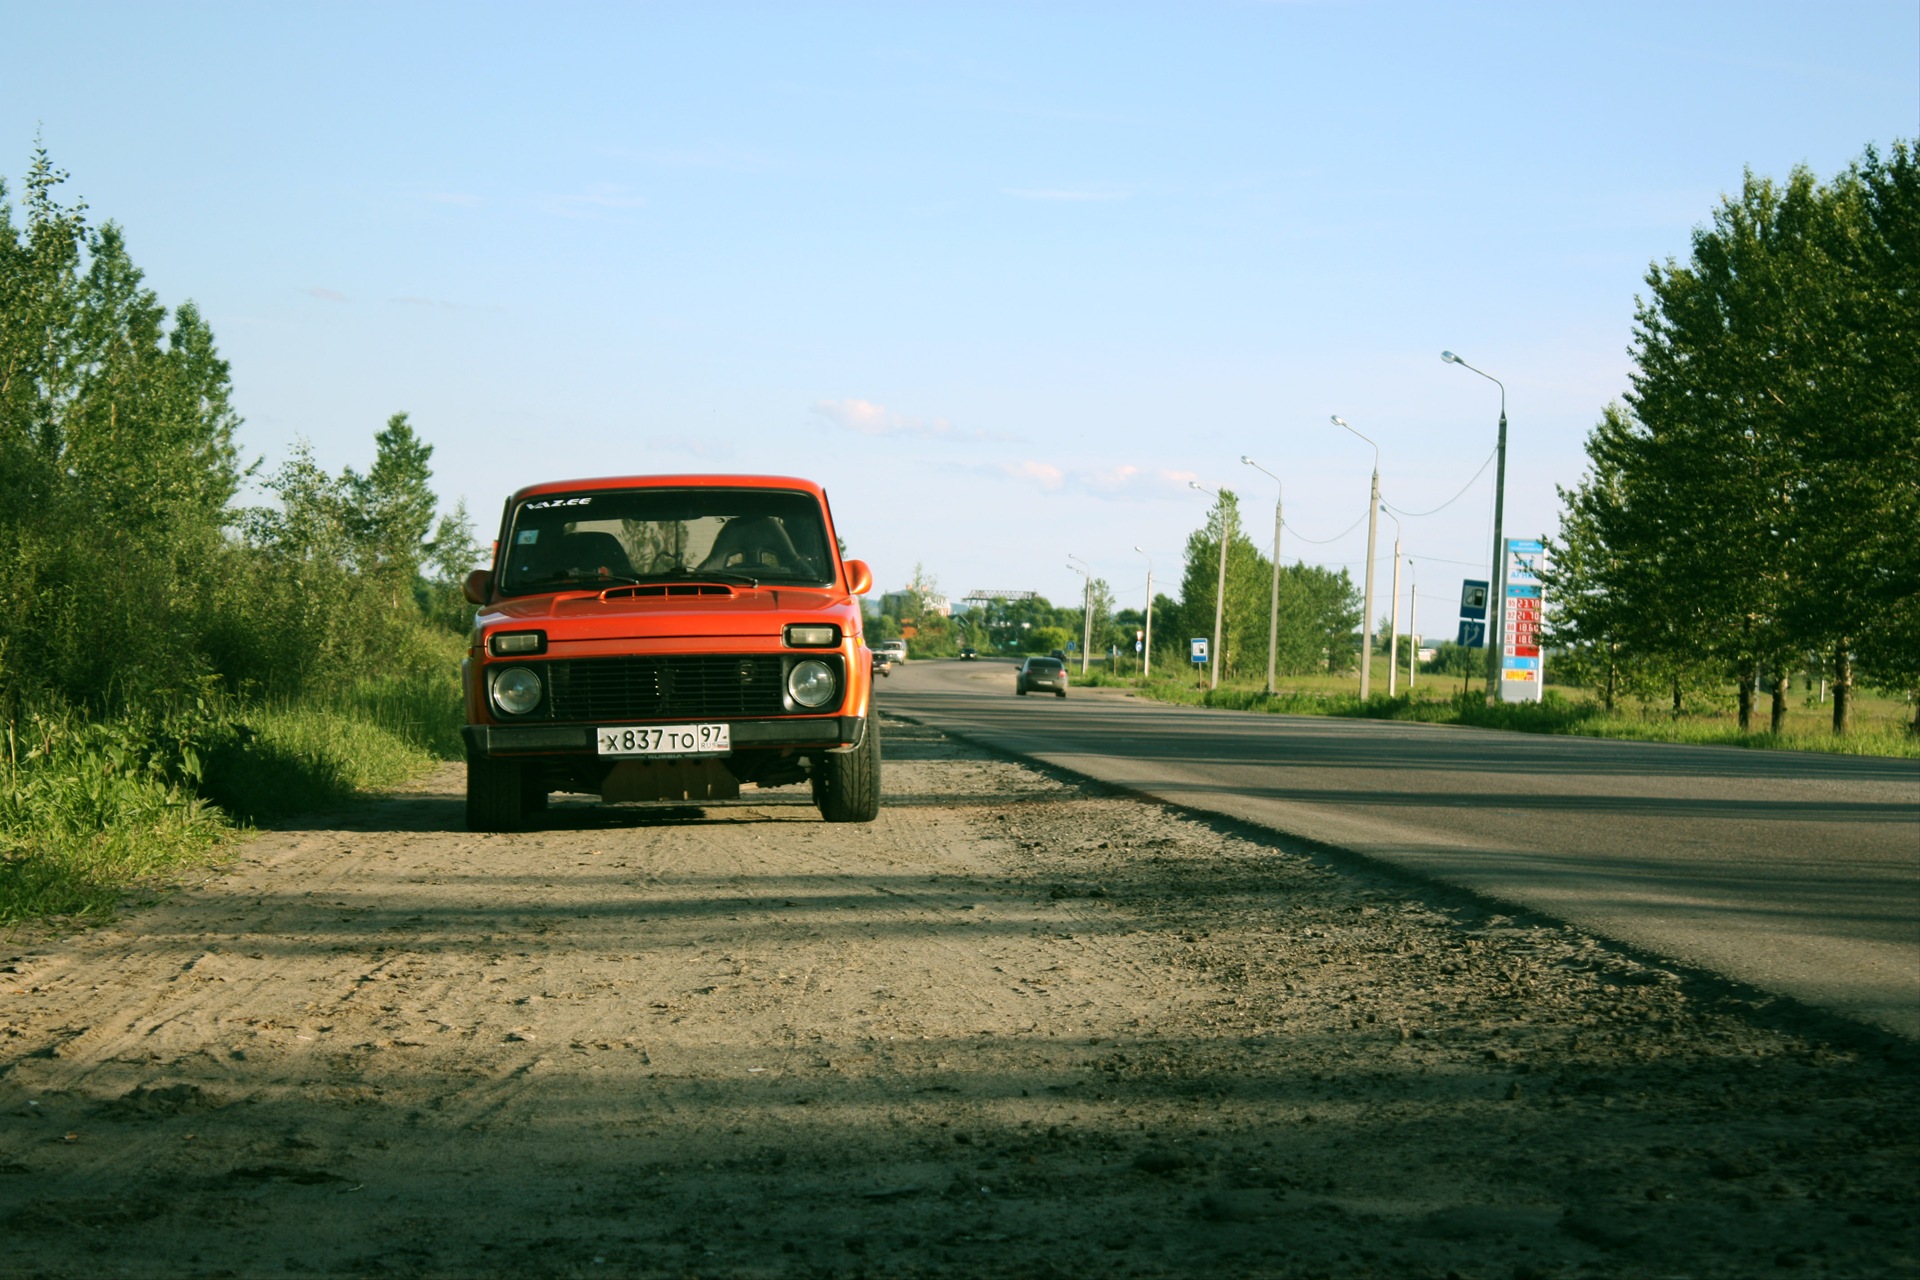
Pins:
x,y
92,811
1557,714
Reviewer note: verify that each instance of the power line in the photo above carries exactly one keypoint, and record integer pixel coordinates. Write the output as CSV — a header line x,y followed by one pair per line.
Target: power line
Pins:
x,y
1323,541
1450,501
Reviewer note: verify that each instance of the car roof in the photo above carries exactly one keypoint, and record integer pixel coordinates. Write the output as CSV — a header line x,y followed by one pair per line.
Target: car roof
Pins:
x,y
688,481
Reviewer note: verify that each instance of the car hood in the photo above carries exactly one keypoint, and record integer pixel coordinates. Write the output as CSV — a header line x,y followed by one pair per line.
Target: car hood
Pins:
x,y
746,612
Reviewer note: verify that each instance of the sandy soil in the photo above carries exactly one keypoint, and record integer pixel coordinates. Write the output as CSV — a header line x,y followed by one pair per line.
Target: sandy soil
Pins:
x,y
1014,1028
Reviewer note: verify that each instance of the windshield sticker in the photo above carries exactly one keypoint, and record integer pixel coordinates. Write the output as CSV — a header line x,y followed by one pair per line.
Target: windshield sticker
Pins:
x,y
558,502
527,537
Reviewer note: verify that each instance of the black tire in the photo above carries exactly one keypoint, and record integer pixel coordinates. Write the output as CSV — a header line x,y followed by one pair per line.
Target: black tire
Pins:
x,y
846,784
1059,693
496,795
1020,689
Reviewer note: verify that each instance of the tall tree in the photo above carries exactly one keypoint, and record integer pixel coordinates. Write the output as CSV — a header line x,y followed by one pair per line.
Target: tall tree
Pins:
x,y
394,502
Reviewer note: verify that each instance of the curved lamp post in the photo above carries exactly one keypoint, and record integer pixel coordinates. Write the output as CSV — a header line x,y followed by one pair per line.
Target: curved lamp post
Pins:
x,y
1220,593
1393,613
1146,642
1273,612
1497,606
1373,524
1086,606
1413,624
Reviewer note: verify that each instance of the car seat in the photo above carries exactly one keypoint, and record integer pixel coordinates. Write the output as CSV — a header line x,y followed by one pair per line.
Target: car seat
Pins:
x,y
583,555
749,544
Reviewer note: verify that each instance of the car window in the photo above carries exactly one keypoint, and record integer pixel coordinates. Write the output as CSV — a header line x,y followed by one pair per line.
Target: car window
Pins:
x,y
655,535
1043,664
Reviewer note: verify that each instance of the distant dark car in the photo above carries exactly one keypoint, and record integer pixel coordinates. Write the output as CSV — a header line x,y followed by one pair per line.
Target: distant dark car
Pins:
x,y
1048,675
1060,654
967,654
882,662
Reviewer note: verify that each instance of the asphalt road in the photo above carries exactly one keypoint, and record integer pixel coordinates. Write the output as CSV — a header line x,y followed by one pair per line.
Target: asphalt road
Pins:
x,y
1798,873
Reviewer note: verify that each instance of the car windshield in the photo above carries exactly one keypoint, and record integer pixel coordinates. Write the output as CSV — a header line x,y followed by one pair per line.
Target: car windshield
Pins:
x,y
597,539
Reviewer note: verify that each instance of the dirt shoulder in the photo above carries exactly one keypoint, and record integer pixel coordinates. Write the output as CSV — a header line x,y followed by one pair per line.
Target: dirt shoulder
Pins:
x,y
1015,1027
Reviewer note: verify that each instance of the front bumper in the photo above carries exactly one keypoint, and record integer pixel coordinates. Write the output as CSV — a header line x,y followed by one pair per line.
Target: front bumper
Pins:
x,y
578,739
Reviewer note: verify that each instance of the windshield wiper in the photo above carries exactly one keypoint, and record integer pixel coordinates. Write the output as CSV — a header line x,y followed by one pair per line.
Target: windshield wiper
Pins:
x,y
597,580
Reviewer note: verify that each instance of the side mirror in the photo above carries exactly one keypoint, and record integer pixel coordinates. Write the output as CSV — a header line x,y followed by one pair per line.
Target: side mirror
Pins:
x,y
477,586
859,577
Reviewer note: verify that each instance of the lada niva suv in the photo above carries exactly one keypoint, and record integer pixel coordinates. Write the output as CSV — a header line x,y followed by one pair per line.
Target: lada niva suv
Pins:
x,y
668,638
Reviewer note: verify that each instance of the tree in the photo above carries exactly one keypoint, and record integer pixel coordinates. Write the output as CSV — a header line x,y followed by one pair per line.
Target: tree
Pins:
x,y
1243,646
394,504
116,450
1754,500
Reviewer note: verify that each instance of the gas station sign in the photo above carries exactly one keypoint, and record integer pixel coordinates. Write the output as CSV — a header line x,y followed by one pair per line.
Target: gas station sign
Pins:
x,y
1522,673
1473,613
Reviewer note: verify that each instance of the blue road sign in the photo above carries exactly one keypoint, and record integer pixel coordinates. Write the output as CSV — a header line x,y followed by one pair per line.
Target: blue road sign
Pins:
x,y
1199,644
1472,634
1473,599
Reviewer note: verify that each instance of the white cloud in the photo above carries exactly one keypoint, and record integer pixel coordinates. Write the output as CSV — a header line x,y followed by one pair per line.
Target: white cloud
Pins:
x,y
1120,482
870,419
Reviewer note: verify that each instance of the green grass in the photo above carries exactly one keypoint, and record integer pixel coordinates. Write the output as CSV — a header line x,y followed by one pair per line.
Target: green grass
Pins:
x,y
90,812
1880,722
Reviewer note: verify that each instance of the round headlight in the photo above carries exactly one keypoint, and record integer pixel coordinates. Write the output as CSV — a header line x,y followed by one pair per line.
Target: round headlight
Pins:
x,y
516,690
811,683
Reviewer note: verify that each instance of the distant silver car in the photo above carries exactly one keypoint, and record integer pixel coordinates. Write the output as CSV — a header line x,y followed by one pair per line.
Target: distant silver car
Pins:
x,y
1049,675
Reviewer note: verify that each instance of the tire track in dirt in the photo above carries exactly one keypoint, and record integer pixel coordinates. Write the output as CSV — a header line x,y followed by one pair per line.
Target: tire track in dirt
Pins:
x,y
1014,1027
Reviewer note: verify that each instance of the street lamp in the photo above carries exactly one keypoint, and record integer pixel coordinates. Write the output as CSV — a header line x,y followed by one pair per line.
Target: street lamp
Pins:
x,y
1146,643
1497,610
1220,594
1273,612
1086,607
1393,618
1413,624
1373,521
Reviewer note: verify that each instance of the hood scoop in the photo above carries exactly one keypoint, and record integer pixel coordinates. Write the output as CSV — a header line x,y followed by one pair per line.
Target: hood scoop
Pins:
x,y
665,589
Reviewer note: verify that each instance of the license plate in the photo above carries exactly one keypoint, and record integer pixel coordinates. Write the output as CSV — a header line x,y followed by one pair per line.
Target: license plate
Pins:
x,y
666,740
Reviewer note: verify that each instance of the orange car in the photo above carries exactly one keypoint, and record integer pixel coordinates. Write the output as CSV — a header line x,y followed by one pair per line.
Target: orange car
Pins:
x,y
668,638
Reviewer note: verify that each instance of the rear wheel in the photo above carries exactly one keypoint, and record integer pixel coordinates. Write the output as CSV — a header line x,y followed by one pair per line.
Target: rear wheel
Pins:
x,y
1059,693
846,784
1020,689
497,793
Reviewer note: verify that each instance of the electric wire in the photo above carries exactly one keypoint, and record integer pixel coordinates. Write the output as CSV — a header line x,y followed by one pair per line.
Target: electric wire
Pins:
x,y
1320,542
1450,501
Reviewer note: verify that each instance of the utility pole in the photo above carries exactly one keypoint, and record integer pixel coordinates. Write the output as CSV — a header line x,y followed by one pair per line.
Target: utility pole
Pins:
x,y
1373,522
1220,592
1393,620
1146,644
1496,581
1086,609
1273,608
1413,624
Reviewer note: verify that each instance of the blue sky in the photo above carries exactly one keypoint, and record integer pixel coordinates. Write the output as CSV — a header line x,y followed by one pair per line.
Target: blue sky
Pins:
x,y
1004,278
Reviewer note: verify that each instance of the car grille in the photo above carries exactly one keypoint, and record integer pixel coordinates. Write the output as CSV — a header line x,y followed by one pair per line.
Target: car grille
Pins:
x,y
645,687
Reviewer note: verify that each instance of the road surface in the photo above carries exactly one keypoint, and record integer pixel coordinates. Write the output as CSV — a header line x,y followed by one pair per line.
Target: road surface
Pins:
x,y
1796,872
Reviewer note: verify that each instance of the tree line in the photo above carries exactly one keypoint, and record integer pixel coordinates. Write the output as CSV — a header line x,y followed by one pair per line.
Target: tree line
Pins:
x,y
1751,508
127,571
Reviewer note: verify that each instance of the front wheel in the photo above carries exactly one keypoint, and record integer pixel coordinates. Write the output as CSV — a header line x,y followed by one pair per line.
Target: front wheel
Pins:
x,y
1059,693
497,795
846,784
